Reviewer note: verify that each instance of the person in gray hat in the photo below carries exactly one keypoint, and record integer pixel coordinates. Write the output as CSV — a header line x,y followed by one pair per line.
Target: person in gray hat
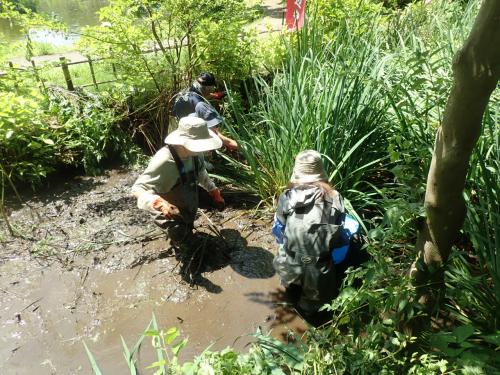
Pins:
x,y
309,226
195,100
168,188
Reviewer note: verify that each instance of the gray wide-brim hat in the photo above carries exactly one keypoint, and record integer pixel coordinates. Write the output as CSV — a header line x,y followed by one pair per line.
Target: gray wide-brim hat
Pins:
x,y
308,168
194,135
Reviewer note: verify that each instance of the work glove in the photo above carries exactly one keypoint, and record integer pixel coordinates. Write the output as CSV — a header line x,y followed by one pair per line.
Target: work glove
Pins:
x,y
167,209
219,95
217,198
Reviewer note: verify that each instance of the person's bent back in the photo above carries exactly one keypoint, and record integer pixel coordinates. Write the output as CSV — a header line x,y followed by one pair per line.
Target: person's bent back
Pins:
x,y
308,221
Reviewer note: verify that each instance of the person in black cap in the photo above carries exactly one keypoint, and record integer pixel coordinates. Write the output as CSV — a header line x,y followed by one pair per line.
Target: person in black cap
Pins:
x,y
195,100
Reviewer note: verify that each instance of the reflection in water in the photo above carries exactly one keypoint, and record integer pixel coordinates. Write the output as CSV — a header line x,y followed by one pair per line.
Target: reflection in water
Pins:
x,y
56,38
74,13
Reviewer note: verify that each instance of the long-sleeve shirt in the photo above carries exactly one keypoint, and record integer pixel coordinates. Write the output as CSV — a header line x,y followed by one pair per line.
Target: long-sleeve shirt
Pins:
x,y
161,174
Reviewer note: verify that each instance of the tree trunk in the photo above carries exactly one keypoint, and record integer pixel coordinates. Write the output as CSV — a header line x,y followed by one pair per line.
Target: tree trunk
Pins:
x,y
476,70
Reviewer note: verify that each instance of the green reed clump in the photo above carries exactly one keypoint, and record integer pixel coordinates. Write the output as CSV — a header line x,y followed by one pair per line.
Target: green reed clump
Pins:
x,y
327,97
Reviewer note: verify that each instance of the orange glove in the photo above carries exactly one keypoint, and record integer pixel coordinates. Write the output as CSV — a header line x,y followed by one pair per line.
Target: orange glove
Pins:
x,y
217,198
167,209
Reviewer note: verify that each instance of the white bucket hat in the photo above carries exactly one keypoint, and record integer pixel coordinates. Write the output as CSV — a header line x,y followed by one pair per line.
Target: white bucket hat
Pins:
x,y
194,135
308,168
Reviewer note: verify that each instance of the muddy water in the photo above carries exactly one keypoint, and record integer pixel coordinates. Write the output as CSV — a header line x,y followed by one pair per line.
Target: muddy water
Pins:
x,y
99,271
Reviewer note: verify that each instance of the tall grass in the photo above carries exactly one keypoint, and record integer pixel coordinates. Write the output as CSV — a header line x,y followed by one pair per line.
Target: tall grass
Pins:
x,y
483,208
327,97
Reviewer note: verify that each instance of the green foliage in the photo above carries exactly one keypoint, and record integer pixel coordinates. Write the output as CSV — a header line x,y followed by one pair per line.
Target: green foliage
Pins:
x,y
187,36
21,14
27,147
271,52
267,356
232,56
458,344
328,99
418,80
483,200
89,129
331,15
38,133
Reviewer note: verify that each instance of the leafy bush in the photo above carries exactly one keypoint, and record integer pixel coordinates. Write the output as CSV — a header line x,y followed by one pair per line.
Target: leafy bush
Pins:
x,y
232,57
38,134
359,15
89,129
187,36
27,147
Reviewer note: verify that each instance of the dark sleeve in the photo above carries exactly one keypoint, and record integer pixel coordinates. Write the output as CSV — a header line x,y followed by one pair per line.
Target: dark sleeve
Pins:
x,y
282,209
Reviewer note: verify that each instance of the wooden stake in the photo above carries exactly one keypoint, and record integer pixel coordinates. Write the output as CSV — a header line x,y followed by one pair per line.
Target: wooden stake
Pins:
x,y
67,75
91,66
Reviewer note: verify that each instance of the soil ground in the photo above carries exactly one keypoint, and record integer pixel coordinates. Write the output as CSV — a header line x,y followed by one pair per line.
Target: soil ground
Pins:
x,y
92,267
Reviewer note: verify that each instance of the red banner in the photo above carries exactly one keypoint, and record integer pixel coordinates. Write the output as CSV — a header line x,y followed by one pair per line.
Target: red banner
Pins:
x,y
295,11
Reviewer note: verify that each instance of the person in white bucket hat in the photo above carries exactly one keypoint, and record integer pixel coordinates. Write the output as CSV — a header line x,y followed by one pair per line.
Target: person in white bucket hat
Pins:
x,y
168,187
309,226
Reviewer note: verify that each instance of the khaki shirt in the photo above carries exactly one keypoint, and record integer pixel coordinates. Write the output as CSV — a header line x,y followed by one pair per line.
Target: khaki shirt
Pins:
x,y
161,175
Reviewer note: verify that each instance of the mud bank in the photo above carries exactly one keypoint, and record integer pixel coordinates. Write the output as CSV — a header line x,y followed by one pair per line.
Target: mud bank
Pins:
x,y
92,267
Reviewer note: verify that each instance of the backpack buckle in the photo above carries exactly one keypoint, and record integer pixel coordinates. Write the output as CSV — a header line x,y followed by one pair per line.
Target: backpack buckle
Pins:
x,y
306,259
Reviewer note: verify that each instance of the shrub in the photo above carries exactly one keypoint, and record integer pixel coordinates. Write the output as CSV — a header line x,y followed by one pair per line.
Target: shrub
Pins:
x,y
27,147
89,129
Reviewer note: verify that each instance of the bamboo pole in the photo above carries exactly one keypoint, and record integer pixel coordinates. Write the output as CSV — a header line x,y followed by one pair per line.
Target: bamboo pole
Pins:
x,y
38,78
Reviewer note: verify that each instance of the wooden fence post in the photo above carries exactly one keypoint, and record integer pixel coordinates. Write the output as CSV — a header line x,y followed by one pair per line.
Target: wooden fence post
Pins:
x,y
43,89
11,66
113,67
91,66
114,70
67,76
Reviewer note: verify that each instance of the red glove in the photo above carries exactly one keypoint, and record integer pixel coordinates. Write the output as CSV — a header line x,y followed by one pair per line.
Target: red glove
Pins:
x,y
217,198
167,209
218,95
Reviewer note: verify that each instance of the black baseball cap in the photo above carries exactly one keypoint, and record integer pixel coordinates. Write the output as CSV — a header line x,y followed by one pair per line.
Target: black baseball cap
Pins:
x,y
206,79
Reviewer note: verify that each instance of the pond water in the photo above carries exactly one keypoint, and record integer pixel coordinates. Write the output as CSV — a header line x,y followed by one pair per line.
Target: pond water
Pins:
x,y
75,13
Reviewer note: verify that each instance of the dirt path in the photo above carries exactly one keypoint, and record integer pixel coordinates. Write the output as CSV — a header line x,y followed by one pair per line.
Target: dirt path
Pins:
x,y
93,267
273,16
